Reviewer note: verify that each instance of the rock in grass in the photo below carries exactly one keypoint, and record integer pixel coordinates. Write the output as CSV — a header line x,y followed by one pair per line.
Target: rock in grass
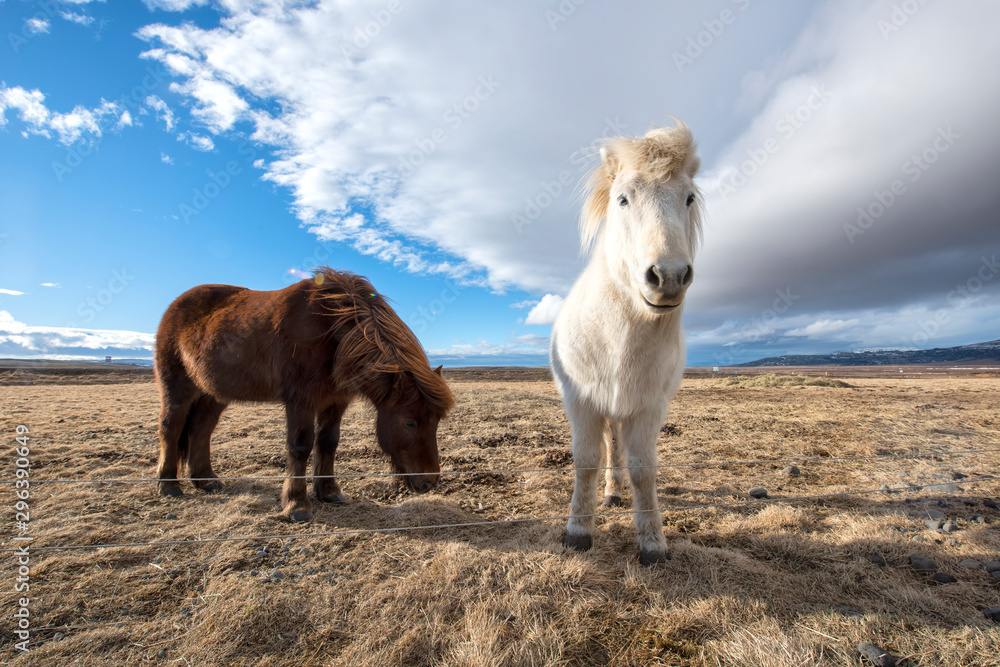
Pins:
x,y
971,564
791,471
932,524
937,514
758,492
948,526
943,578
877,656
878,560
991,503
992,614
922,563
995,574
991,566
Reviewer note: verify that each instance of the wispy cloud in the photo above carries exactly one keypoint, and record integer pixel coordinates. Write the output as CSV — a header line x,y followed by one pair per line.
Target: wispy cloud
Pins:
x,y
50,285
75,17
11,292
197,141
174,5
37,25
68,127
163,111
166,159
524,345
823,328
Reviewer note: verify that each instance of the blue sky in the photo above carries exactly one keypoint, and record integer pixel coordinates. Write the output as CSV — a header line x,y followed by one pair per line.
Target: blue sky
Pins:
x,y
849,158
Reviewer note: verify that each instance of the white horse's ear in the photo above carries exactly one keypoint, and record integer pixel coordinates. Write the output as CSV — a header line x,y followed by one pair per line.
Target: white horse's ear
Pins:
x,y
610,160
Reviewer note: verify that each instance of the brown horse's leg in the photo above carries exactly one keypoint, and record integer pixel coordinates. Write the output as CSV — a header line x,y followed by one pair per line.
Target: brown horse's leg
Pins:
x,y
327,490
301,434
204,416
173,441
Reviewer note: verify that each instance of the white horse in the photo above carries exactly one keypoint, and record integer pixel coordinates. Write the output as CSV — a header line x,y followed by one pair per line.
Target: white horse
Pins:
x,y
617,347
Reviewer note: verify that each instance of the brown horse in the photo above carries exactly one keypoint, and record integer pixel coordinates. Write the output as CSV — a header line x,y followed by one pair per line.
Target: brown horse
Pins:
x,y
314,346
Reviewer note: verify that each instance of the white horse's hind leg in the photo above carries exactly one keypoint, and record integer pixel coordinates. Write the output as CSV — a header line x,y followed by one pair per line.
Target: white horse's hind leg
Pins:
x,y
588,430
614,476
639,438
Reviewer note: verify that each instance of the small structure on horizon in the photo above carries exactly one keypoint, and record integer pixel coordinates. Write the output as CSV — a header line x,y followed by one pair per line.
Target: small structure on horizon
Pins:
x,y
107,360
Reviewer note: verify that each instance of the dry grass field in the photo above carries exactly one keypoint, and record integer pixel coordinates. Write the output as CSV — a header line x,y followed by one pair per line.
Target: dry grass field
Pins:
x,y
750,583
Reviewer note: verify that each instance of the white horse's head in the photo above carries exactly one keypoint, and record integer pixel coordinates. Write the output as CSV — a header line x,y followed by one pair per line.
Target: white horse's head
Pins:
x,y
643,196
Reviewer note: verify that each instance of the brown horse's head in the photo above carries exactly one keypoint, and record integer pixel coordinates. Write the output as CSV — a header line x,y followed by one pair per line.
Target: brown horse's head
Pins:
x,y
379,357
407,428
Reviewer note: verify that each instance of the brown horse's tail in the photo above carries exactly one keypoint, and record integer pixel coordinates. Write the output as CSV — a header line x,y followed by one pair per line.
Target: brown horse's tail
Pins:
x,y
183,442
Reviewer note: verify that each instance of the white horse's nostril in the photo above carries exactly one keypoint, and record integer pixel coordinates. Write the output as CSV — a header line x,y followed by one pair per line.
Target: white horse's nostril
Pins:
x,y
688,276
653,277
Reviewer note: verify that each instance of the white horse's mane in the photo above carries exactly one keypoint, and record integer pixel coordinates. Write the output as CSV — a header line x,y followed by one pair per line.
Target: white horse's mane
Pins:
x,y
659,155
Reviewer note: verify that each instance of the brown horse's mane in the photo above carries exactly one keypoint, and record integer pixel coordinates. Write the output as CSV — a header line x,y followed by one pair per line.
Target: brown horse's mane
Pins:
x,y
378,349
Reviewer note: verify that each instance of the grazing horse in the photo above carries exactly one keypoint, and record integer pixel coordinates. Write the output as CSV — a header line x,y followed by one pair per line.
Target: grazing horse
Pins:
x,y
617,348
314,346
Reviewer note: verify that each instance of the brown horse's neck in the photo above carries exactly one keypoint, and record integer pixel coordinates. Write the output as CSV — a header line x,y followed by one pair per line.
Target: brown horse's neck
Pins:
x,y
378,356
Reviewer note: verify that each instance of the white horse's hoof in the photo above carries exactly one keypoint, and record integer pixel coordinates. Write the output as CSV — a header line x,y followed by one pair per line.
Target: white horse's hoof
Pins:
x,y
578,542
648,558
613,501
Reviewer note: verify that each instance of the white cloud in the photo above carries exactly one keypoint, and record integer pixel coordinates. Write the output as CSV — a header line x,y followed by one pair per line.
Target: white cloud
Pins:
x,y
166,159
435,149
546,310
74,17
11,292
50,285
524,345
19,339
823,328
37,25
197,141
69,127
174,5
163,111
527,303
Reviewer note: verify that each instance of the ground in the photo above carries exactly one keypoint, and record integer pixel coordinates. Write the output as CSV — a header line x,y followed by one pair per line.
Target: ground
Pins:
x,y
750,583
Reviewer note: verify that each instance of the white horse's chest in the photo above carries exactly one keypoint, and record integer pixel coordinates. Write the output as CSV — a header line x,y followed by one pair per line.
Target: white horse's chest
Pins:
x,y
621,370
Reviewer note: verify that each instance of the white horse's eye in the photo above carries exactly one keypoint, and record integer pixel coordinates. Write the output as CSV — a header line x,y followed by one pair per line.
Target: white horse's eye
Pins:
x,y
690,200
622,201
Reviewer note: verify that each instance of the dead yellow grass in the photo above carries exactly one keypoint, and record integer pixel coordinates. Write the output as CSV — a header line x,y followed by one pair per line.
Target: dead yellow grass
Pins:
x,y
773,380
749,585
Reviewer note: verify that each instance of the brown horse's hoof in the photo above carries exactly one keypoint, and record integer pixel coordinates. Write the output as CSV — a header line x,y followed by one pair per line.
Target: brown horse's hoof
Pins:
x,y
336,499
578,542
648,558
613,501
210,487
301,516
171,491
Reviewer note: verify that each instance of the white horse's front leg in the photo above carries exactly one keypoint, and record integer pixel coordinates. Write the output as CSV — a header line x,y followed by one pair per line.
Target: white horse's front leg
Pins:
x,y
639,438
588,432
614,476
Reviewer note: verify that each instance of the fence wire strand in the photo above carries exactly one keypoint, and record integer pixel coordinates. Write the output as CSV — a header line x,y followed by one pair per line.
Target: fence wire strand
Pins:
x,y
458,473
477,524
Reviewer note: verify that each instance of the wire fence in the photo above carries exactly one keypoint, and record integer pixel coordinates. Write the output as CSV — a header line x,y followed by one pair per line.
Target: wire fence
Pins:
x,y
458,473
951,486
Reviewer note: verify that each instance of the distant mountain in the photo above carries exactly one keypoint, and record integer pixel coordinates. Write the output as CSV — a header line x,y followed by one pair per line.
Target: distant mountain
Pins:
x,y
979,353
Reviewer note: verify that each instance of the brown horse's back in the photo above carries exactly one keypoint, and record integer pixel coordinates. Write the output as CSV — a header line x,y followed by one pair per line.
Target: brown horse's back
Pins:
x,y
237,344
